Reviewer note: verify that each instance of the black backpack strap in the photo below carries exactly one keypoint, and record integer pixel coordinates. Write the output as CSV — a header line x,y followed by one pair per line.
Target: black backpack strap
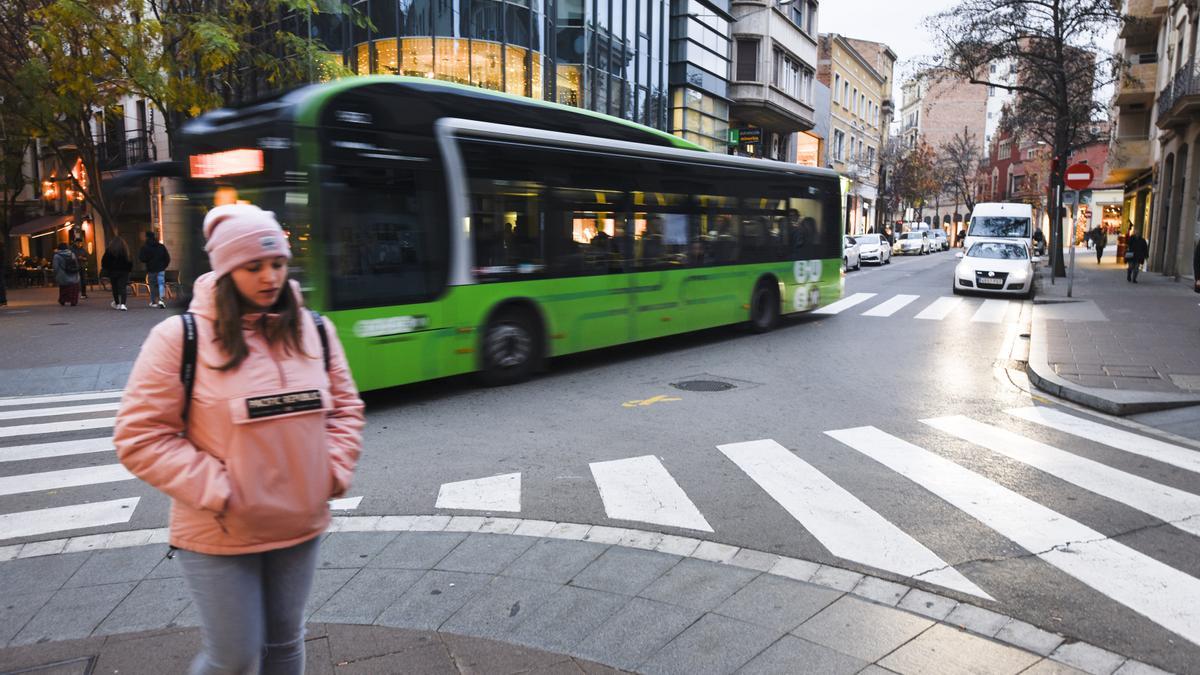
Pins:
x,y
317,319
187,365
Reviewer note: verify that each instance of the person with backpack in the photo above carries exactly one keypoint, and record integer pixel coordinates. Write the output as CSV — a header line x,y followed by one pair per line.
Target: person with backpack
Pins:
x,y
117,266
1137,249
155,257
81,257
244,412
66,275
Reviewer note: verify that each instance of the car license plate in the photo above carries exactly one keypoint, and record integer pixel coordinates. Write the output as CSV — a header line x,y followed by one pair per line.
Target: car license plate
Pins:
x,y
991,282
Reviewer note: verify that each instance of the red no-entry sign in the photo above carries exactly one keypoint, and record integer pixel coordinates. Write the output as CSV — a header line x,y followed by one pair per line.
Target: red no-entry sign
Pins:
x,y
1079,176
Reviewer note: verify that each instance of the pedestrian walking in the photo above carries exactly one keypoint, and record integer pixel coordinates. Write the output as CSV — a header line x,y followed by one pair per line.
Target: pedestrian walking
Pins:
x,y
271,430
116,265
155,257
81,257
66,275
1099,240
1137,249
1195,266
3,271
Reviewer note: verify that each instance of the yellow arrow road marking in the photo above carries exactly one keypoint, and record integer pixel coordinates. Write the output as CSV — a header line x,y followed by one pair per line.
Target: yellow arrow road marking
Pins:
x,y
649,401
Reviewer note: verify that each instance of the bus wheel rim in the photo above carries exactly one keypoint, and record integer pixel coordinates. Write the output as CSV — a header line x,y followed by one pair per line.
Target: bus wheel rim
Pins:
x,y
508,346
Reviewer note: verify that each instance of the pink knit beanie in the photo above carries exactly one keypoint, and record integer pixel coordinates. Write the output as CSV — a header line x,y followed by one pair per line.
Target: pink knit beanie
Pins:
x,y
239,233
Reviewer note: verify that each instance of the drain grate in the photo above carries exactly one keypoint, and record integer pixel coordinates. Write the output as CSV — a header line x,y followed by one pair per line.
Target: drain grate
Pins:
x,y
703,385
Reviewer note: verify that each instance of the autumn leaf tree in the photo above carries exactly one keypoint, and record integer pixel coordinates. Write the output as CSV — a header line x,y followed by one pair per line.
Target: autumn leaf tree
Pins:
x,y
1059,67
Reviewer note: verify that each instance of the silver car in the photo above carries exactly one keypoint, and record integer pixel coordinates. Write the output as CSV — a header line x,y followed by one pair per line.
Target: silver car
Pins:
x,y
873,249
912,243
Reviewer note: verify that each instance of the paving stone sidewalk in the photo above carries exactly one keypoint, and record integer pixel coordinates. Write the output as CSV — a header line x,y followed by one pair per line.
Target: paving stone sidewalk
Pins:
x,y
1119,347
568,599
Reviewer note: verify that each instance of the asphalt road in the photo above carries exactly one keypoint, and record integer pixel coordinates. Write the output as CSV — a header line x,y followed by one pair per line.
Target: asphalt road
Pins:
x,y
812,375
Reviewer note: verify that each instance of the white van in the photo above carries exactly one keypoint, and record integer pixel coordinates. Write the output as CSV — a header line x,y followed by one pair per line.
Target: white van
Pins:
x,y
1001,220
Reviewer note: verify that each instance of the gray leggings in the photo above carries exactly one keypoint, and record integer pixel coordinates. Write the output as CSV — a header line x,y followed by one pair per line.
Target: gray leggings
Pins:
x,y
251,609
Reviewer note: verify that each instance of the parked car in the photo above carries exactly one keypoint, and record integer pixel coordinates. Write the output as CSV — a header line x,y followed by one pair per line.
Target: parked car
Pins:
x,y
1001,265
873,248
851,260
941,240
912,243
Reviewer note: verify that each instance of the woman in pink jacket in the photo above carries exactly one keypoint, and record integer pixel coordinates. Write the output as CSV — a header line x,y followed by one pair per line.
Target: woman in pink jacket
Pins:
x,y
272,432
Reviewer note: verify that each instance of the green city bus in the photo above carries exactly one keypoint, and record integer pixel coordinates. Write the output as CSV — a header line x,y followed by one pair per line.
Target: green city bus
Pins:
x,y
445,229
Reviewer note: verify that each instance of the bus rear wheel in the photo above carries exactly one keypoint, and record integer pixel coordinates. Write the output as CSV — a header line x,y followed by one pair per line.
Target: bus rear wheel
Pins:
x,y
764,307
512,348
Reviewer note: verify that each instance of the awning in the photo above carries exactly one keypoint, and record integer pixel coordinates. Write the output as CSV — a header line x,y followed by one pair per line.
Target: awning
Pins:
x,y
40,225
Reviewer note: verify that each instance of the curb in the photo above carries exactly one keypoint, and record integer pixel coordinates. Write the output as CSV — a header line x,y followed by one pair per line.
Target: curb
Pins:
x,y
973,619
1110,401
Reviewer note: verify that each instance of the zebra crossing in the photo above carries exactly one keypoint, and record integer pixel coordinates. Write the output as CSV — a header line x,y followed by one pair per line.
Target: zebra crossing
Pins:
x,y
643,490
30,421
940,308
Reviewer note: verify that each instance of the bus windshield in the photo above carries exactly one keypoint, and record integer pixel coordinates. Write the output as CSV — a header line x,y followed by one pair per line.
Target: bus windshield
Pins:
x,y
999,226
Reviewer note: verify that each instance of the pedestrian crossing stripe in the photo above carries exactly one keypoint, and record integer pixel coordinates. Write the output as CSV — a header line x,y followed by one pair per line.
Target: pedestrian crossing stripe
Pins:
x,y
1137,444
55,480
989,310
1166,503
57,427
61,410
62,518
641,489
843,524
59,398
18,453
1151,588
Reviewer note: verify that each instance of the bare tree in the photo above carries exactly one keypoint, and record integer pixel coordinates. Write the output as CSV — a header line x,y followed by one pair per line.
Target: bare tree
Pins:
x,y
1051,44
959,158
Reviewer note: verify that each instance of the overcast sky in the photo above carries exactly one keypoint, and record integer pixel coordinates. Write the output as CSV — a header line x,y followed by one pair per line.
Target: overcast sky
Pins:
x,y
896,24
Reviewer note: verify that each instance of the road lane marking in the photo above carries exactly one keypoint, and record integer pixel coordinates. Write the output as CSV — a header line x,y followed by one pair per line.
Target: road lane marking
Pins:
x,y
844,304
17,453
1161,501
637,403
57,427
641,489
1152,448
840,521
53,480
939,309
1153,589
345,503
58,398
493,493
65,410
891,306
991,311
58,519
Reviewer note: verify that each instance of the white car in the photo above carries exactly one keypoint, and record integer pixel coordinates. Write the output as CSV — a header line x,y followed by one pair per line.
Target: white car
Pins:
x,y
873,248
910,243
941,240
1001,266
850,256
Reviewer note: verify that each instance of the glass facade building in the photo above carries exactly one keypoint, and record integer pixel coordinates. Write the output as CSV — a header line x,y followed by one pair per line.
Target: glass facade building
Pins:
x,y
604,55
700,71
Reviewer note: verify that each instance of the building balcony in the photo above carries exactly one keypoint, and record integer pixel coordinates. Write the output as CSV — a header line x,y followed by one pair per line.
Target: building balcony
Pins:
x,y
1128,158
1160,7
1138,84
1179,101
766,107
1140,19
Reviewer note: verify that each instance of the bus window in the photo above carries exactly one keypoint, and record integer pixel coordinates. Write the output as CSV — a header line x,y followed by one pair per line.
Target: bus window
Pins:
x,y
386,243
506,222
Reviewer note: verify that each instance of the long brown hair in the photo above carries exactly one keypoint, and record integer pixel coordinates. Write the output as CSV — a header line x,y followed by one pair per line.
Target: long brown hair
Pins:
x,y
118,248
285,331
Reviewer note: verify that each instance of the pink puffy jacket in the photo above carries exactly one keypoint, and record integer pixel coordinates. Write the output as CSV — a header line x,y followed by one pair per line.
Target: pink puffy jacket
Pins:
x,y
266,444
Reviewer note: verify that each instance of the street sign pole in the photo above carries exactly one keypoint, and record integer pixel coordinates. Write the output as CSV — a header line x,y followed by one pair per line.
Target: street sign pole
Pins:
x,y
1056,227
1078,177
1071,267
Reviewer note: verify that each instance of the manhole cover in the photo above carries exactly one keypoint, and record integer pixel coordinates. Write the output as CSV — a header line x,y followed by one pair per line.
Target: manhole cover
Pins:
x,y
703,385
